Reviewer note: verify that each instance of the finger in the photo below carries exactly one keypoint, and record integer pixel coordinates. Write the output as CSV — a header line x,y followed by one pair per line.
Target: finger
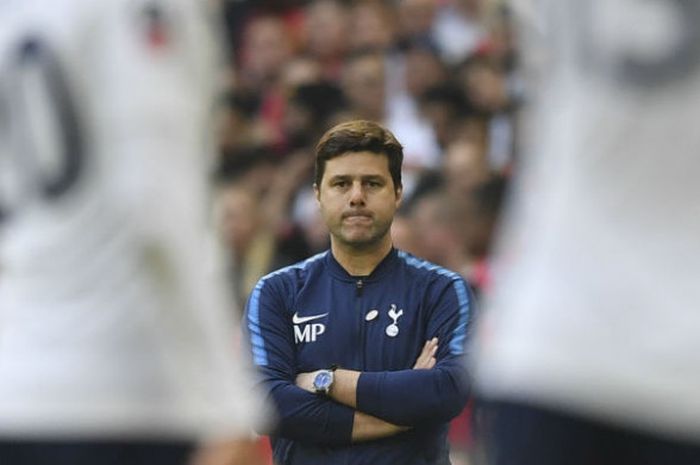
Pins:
x,y
428,351
421,361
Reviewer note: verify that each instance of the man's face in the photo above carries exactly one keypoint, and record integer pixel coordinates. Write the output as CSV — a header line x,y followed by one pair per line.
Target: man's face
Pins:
x,y
358,199
364,85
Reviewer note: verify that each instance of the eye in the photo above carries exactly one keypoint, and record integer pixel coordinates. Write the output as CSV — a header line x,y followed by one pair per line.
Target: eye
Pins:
x,y
339,183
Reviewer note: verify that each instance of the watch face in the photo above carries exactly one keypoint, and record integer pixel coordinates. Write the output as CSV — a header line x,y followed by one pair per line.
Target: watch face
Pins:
x,y
323,380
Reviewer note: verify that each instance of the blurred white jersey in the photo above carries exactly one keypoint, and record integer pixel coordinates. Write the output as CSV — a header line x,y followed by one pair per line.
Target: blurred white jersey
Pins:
x,y
596,301
110,324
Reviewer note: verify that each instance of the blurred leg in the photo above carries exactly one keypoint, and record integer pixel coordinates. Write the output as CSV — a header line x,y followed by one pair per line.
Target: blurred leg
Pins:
x,y
523,435
641,449
90,453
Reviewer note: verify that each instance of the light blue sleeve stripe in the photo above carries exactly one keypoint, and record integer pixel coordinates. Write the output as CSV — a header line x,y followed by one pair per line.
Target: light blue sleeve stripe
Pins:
x,y
459,334
256,340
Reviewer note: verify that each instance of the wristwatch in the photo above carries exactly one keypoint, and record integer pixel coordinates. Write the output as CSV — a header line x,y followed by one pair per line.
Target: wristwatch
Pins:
x,y
323,381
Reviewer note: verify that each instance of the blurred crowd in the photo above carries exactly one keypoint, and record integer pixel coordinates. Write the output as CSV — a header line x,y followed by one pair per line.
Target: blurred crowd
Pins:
x,y
440,74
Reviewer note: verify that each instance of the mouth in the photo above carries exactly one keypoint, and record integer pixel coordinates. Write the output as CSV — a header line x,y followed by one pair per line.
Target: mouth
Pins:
x,y
357,215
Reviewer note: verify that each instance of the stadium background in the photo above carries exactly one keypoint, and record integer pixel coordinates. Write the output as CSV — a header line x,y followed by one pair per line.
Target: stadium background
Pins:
x,y
441,74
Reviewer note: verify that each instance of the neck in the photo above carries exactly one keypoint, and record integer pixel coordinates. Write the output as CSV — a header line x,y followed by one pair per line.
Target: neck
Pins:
x,y
360,261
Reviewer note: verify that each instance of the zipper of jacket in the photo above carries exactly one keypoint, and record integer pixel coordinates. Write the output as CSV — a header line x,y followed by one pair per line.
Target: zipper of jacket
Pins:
x,y
359,285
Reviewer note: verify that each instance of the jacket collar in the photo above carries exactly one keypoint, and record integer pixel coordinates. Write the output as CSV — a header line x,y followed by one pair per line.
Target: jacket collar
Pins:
x,y
384,266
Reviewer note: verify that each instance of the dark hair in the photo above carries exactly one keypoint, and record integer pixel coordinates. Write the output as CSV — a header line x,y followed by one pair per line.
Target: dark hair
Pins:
x,y
359,136
446,94
321,99
489,196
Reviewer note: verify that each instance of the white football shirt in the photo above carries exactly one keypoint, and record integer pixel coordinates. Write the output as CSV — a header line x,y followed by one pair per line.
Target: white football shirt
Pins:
x,y
113,320
596,300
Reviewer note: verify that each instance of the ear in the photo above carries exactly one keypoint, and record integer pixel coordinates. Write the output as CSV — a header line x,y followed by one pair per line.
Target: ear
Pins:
x,y
317,193
399,196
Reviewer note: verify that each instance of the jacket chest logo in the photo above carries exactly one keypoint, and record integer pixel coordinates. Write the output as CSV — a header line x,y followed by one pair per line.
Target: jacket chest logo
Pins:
x,y
309,332
393,329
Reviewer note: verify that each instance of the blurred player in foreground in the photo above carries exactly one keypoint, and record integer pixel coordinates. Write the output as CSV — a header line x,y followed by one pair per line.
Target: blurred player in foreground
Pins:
x,y
589,347
115,340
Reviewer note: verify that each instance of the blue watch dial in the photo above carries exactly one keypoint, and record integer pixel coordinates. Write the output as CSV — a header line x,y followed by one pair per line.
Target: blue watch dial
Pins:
x,y
323,381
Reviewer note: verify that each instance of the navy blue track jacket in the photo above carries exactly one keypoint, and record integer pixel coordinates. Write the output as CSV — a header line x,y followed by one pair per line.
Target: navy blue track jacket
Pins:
x,y
314,314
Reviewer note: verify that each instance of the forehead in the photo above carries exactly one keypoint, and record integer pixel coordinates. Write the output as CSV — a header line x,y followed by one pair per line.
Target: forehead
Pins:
x,y
358,164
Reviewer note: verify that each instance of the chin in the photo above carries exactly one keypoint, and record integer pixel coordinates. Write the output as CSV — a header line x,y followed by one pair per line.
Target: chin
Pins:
x,y
361,242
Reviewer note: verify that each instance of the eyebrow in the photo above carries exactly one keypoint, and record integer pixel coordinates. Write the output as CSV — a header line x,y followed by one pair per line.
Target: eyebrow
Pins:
x,y
366,177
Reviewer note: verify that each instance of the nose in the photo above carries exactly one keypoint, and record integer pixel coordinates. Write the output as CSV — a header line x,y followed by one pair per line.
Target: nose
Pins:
x,y
357,194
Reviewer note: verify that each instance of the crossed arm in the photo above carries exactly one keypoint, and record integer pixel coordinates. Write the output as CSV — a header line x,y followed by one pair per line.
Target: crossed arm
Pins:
x,y
344,390
361,405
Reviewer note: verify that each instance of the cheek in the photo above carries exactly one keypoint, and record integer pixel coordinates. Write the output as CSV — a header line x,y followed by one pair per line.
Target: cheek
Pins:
x,y
328,209
388,208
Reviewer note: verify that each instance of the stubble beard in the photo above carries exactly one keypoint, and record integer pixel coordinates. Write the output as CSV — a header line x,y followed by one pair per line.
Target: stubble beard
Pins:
x,y
373,239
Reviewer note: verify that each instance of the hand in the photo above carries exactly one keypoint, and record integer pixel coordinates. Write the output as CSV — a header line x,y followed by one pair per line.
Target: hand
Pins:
x,y
306,380
231,452
426,359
